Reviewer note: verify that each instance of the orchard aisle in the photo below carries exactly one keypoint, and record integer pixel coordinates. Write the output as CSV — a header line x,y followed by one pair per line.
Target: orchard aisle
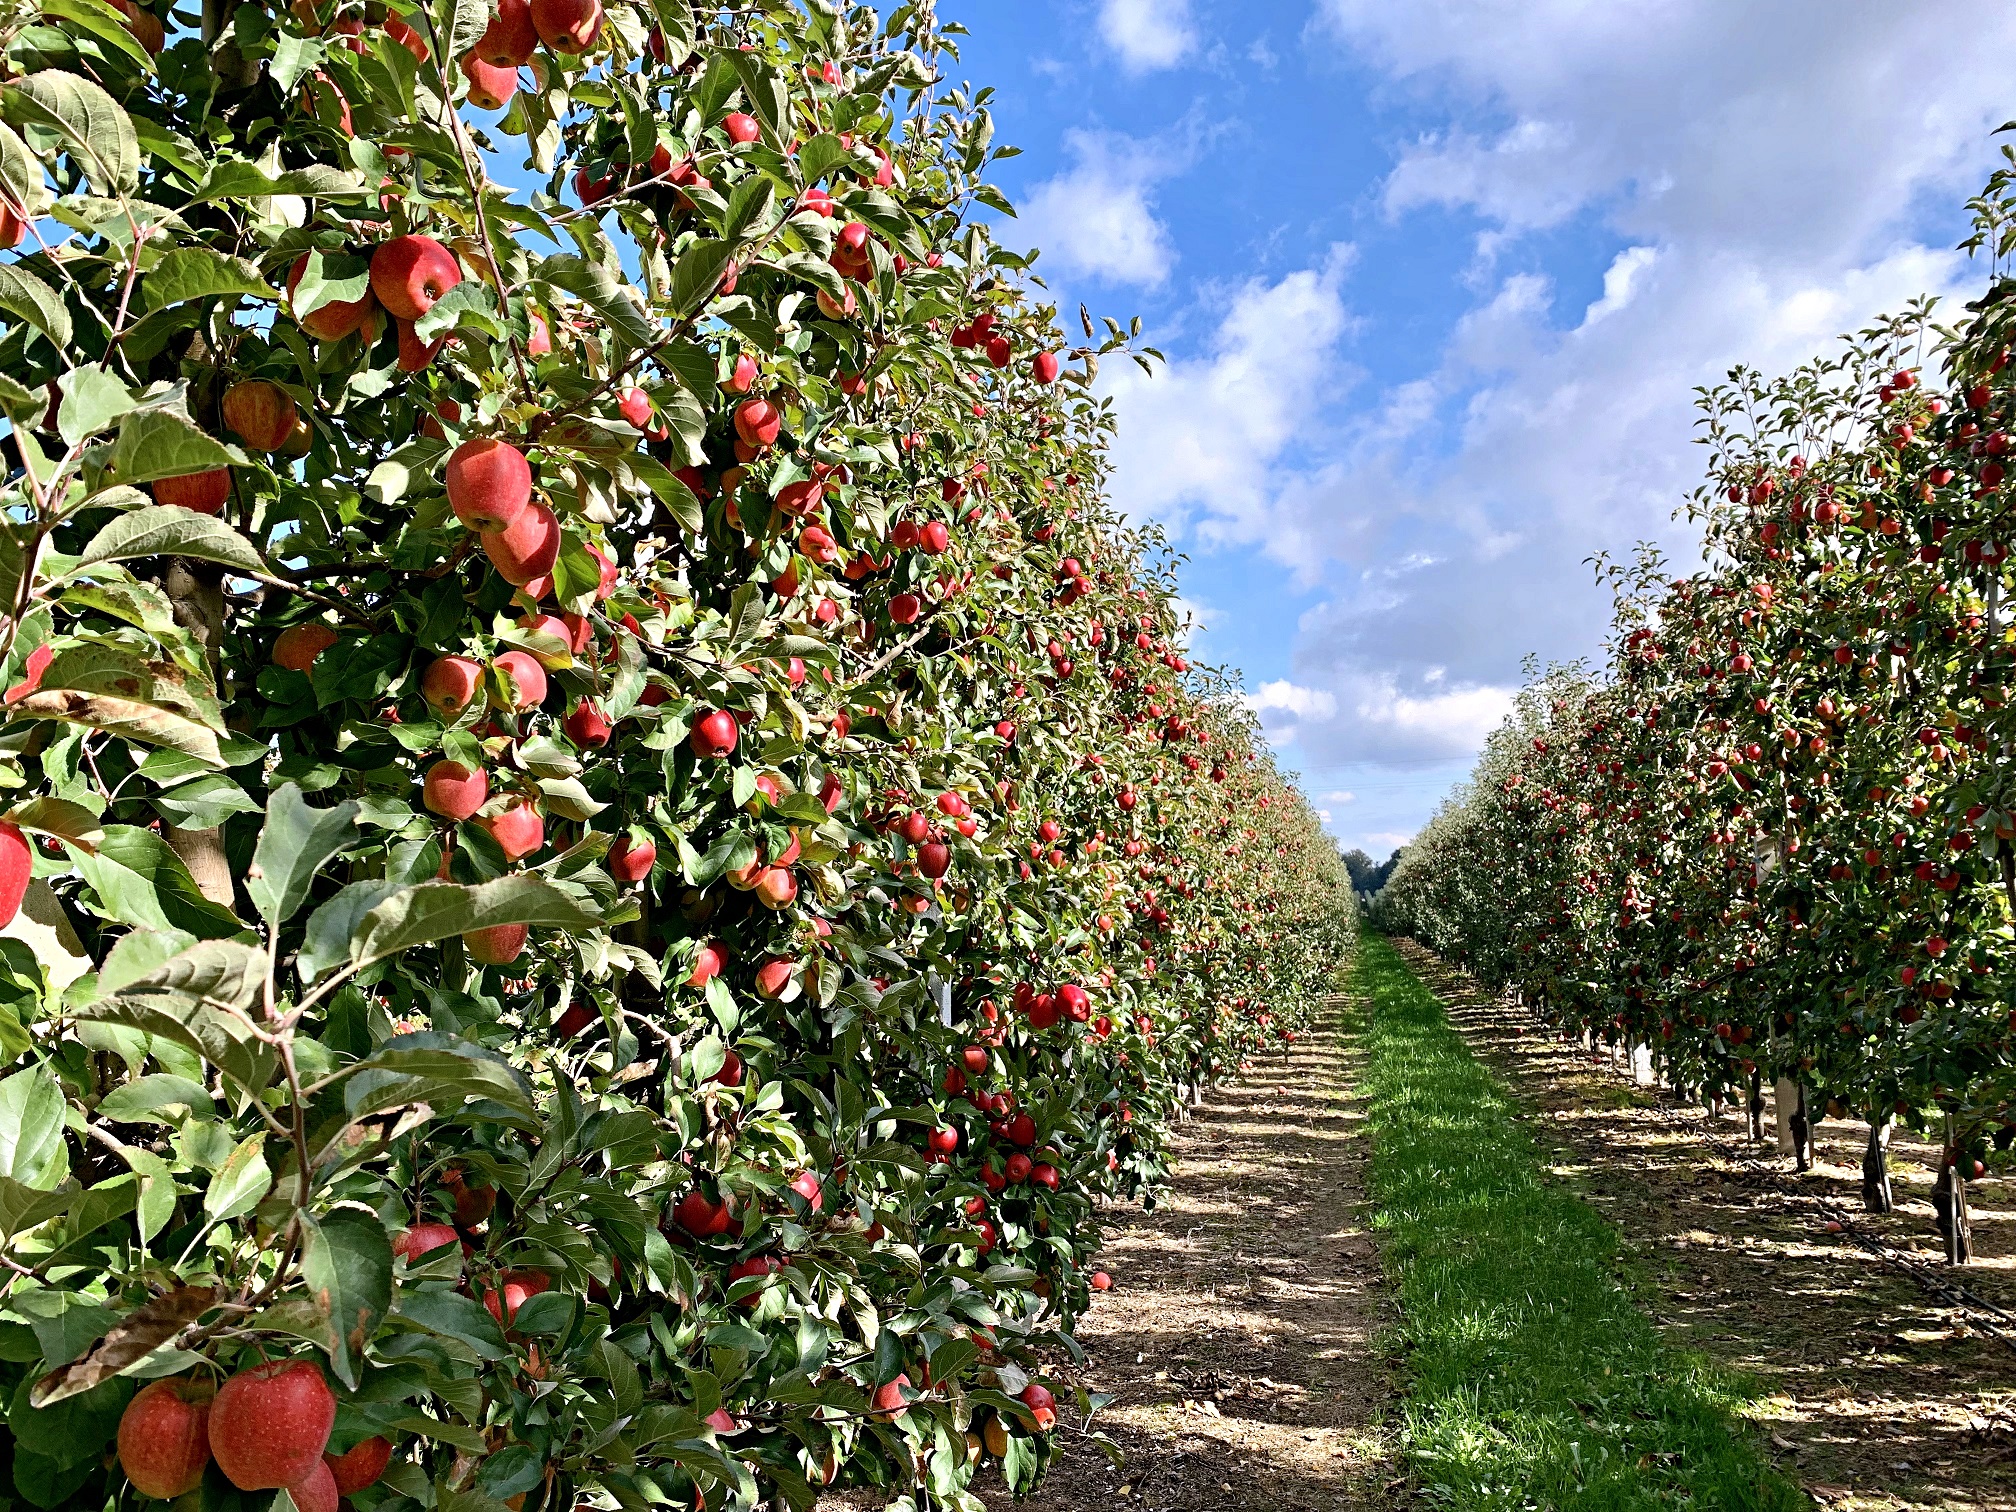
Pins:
x,y
1238,1341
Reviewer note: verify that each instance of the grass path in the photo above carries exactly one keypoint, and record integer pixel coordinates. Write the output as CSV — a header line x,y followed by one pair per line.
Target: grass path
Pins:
x,y
1532,1379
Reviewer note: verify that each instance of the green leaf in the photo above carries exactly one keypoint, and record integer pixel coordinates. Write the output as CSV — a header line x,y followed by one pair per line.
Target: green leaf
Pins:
x,y
330,926
198,273
243,180
454,1316
158,443
603,292
433,1068
107,687
464,23
92,400
697,275
820,156
294,58
346,1260
24,295
817,272
432,911
329,279
242,1182
67,821
568,799
671,491
145,1099
752,210
104,23
204,803
294,844
31,1128
170,530
470,303
23,1207
199,999
98,132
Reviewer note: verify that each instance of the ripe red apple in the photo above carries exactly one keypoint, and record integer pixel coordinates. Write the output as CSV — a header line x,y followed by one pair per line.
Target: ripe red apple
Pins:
x,y
333,321
1041,1404
164,1439
360,1465
1101,1281
518,831
773,977
1018,1167
708,963
568,26
702,1216
489,483
511,38
889,1398
632,860
260,414
587,725
518,1286
422,1239
744,376
145,26
415,354
204,492
296,647
270,1424
491,85
528,678
449,683
454,791
527,548
758,422
715,733
904,608
316,1492
1044,367
806,1185
934,859
499,945
741,128
408,273
776,888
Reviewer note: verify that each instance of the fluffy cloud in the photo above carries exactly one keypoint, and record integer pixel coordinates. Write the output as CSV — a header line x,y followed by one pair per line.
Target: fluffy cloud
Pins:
x,y
1201,439
1758,179
1147,34
1097,219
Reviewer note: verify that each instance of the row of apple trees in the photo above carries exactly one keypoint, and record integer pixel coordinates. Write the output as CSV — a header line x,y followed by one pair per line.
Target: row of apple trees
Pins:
x,y
607,840
1772,839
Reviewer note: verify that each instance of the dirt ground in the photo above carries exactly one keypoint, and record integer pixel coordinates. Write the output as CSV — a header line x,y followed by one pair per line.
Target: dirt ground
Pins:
x,y
1239,1341
1876,1395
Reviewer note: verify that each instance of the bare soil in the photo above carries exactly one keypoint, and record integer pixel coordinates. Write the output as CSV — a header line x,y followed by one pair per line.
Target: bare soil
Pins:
x,y
1240,1340
1876,1394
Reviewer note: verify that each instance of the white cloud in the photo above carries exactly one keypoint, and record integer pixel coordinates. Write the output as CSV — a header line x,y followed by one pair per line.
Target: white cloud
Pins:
x,y
1758,179
1202,436
1340,796
1147,34
1097,218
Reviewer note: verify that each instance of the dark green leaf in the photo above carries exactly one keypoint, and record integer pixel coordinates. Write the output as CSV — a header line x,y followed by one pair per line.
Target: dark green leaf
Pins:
x,y
294,844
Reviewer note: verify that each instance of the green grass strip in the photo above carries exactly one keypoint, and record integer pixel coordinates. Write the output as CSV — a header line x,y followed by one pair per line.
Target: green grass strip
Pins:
x,y
1534,1380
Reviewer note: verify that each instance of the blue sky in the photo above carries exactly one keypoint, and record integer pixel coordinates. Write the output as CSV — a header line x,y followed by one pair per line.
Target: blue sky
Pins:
x,y
1437,280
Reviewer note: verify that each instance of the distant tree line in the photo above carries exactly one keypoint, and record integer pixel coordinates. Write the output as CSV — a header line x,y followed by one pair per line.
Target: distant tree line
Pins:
x,y
1367,875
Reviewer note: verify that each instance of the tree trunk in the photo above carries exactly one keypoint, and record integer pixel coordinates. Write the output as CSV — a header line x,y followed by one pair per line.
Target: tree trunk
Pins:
x,y
1756,1107
1802,1133
1949,1207
1784,1098
1876,1197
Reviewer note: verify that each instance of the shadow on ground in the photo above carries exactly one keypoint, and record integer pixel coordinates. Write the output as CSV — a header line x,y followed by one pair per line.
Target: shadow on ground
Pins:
x,y
1877,1396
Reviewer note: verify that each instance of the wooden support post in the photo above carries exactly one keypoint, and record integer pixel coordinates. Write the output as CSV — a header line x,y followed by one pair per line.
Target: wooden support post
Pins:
x,y
1876,1195
1802,1133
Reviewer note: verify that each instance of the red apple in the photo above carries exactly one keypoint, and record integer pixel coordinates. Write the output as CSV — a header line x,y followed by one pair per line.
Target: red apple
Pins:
x,y
204,492
758,422
296,647
449,683
316,1491
587,725
632,860
715,733
702,1216
360,1465
260,414
499,945
1041,1404
334,321
741,128
270,1424
511,38
164,1439
454,791
708,963
489,483
422,1239
491,85
568,26
773,977
408,273
528,678
518,831
527,548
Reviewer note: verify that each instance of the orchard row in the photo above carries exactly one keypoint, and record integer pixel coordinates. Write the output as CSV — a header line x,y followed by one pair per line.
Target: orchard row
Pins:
x,y
1773,838
611,848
